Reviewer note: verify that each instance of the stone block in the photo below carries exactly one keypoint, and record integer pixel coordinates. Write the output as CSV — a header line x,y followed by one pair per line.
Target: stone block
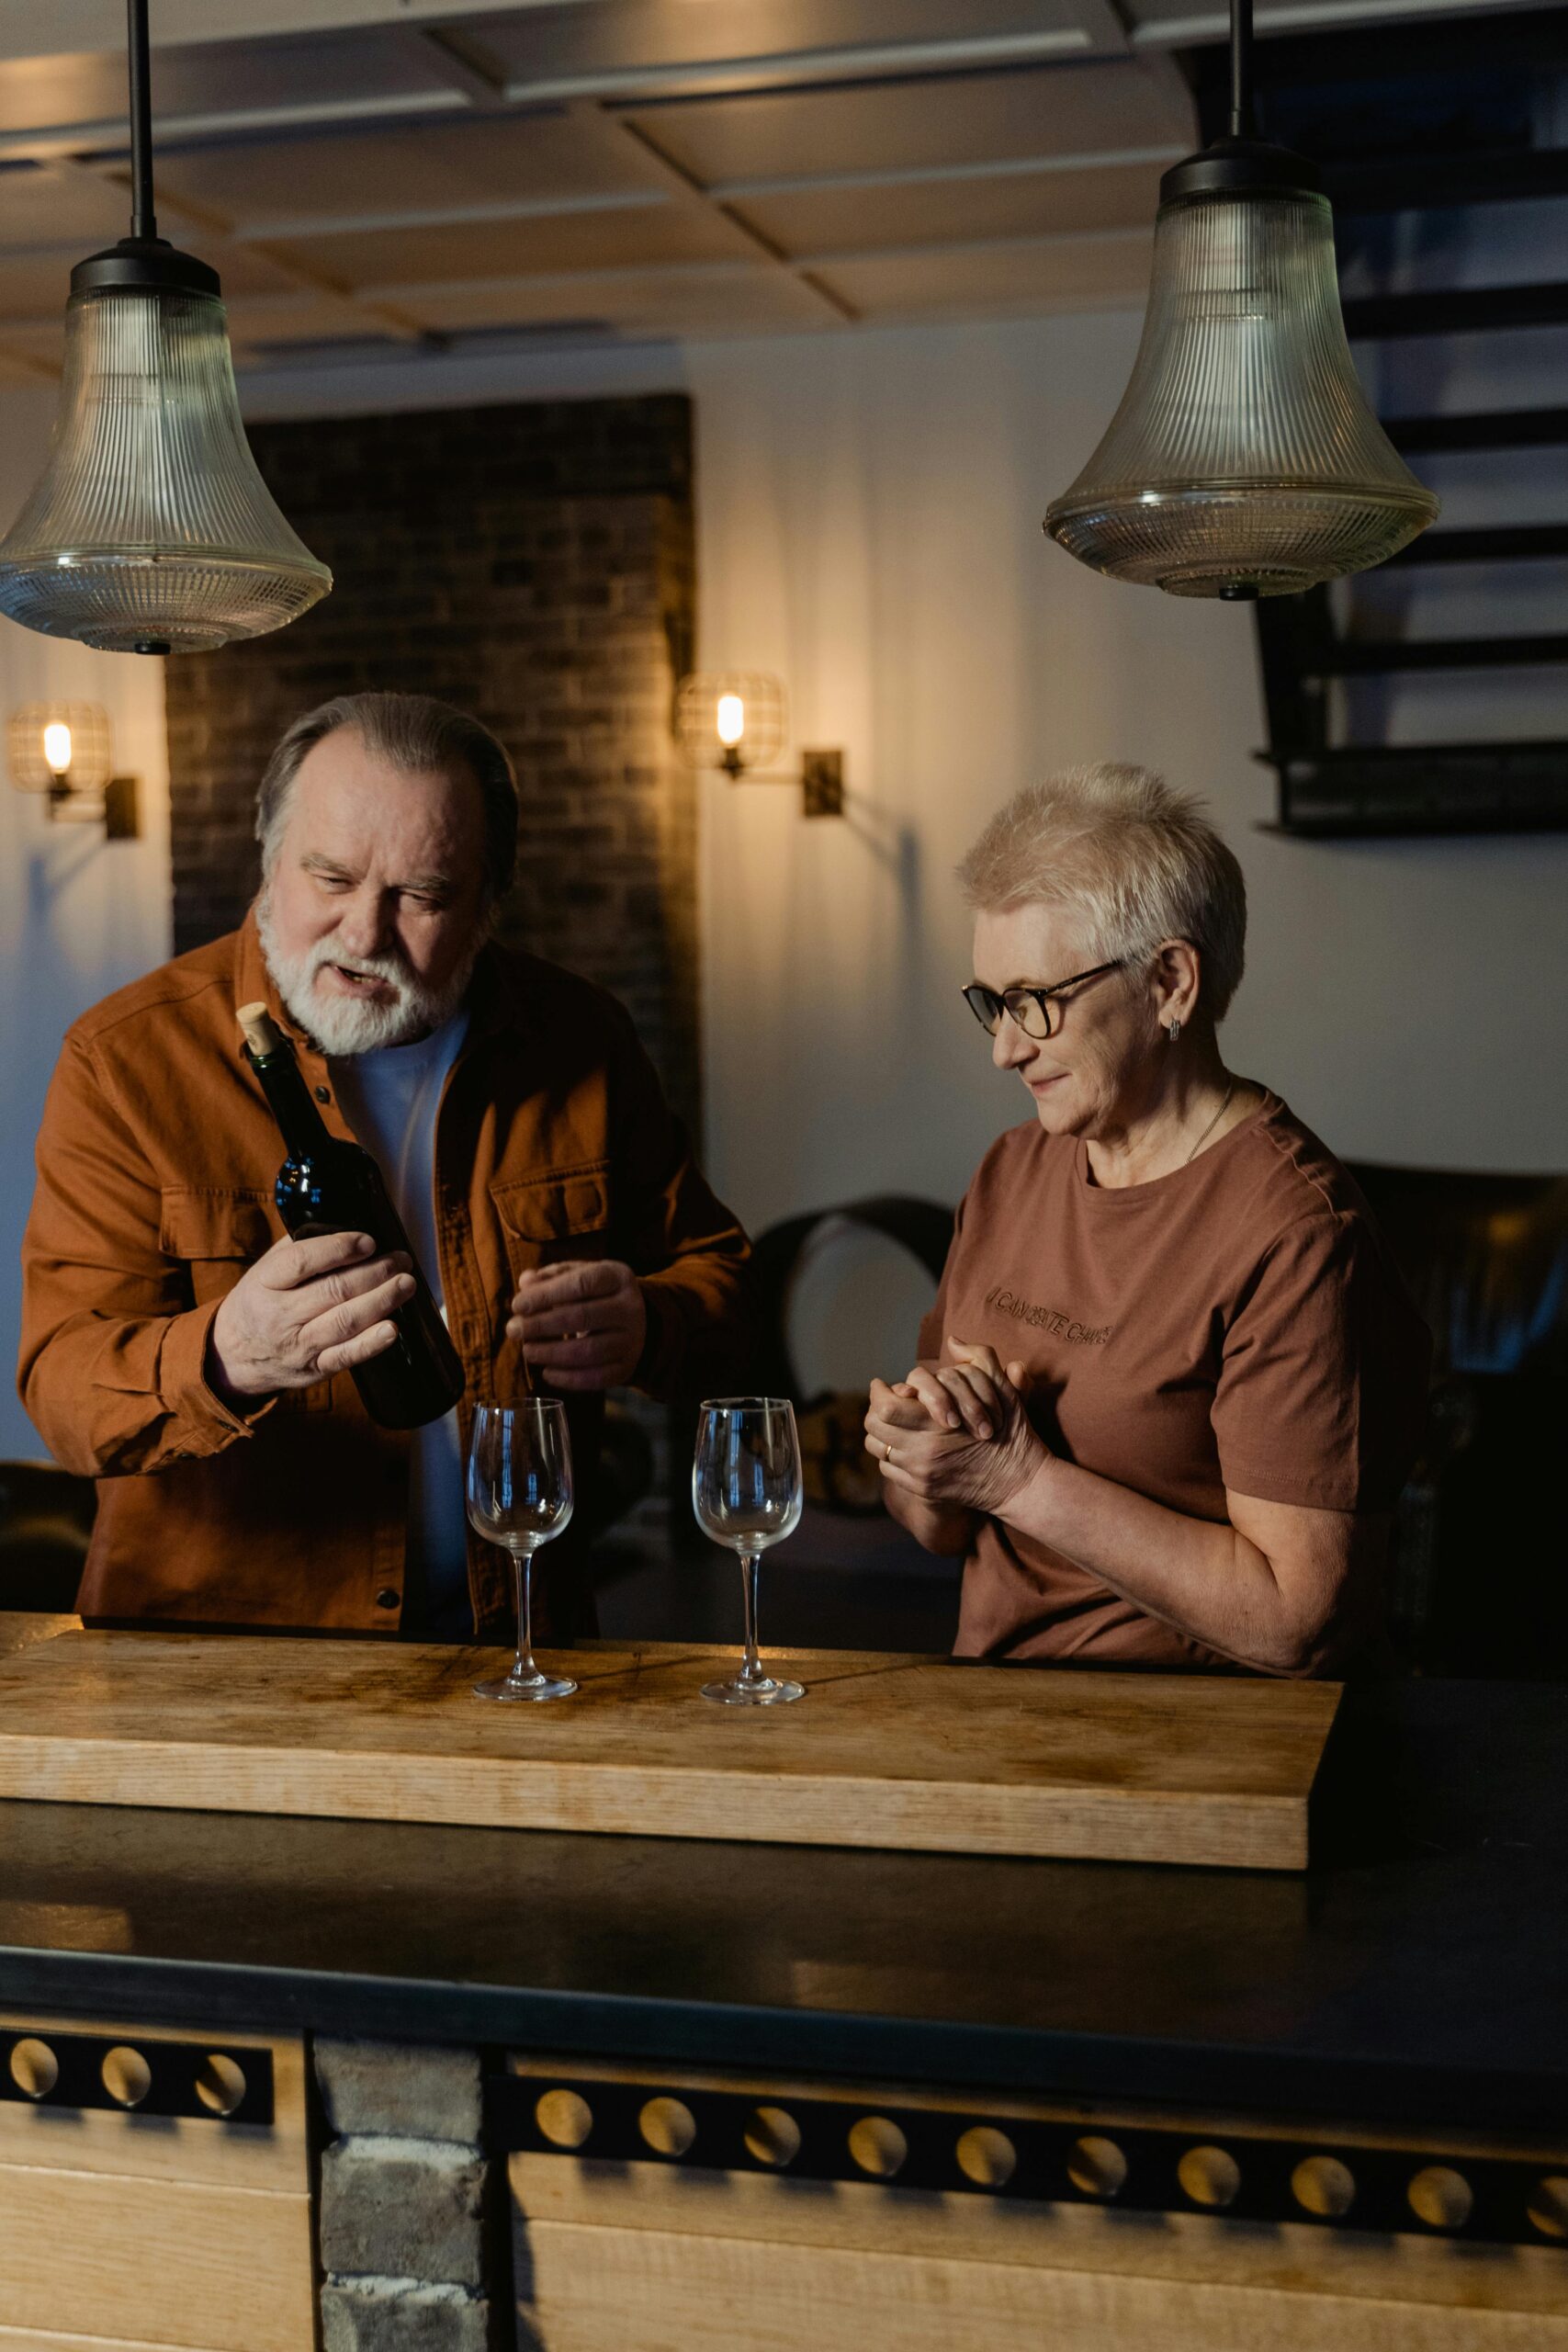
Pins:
x,y
400,2315
405,2090
402,2209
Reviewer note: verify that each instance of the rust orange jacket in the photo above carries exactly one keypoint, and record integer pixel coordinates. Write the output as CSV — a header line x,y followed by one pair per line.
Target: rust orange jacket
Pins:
x,y
155,1168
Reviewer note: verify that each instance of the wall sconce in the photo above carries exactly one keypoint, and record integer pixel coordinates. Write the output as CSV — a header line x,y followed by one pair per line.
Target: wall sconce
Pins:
x,y
63,749
734,720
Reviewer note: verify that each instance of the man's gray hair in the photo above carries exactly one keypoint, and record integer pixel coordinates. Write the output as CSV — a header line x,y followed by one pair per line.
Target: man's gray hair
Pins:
x,y
417,735
1140,863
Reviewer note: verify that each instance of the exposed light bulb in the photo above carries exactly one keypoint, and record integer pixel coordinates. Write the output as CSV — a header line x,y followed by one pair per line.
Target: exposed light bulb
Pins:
x,y
731,720
57,747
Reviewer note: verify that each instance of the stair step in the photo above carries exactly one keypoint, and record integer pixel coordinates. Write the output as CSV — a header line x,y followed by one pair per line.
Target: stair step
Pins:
x,y
1459,311
1373,657
1504,428
1439,182
1422,788
1495,543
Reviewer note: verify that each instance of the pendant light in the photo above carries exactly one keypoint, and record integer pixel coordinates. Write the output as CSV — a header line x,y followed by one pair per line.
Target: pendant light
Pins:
x,y
1244,459
151,530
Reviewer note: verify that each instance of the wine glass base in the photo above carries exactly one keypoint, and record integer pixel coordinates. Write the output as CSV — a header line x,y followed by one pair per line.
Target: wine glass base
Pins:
x,y
763,1693
525,1686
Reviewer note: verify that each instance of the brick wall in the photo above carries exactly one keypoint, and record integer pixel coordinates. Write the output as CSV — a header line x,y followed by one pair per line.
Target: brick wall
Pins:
x,y
409,2245
533,563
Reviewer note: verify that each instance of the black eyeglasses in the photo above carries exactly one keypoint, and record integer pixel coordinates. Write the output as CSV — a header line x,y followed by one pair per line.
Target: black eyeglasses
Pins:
x,y
1034,1011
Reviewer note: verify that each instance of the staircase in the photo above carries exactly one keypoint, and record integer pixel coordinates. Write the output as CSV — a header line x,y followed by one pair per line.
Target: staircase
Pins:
x,y
1419,127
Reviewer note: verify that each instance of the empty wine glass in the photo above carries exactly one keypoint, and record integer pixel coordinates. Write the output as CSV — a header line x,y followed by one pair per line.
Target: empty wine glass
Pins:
x,y
519,1491
746,1491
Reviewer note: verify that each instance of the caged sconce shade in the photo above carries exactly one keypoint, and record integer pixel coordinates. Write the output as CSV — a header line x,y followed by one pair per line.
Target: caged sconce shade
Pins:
x,y
732,719
151,530
60,747
1244,459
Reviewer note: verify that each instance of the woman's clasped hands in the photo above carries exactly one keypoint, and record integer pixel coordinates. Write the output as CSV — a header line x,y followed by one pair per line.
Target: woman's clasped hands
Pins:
x,y
956,1432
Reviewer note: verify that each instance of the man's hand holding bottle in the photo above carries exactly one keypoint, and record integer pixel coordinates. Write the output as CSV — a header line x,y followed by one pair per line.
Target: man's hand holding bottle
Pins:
x,y
305,1310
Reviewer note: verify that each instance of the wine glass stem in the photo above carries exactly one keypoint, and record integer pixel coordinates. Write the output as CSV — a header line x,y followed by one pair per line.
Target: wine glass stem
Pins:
x,y
523,1581
752,1671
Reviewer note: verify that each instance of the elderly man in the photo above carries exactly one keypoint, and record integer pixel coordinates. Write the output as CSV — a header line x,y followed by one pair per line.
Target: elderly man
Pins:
x,y
198,1365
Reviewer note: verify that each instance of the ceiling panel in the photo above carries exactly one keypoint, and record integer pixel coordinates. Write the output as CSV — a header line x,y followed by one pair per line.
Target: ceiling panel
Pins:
x,y
739,299
47,208
967,280
485,159
36,93
1060,110
543,46
946,211
576,240
223,79
256,323
40,342
1192,21
36,285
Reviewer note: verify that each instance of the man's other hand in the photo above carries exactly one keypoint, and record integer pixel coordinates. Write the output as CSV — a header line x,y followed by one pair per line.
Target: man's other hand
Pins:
x,y
304,1311
582,1323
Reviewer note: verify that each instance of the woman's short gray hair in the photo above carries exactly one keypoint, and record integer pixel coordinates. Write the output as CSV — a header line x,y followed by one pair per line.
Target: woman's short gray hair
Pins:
x,y
1140,863
417,735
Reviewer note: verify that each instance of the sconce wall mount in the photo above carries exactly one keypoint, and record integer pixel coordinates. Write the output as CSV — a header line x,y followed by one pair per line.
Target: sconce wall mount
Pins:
x,y
734,721
61,751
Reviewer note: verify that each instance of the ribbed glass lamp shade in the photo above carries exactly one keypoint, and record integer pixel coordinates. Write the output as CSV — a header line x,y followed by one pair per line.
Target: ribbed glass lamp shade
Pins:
x,y
151,528
1243,459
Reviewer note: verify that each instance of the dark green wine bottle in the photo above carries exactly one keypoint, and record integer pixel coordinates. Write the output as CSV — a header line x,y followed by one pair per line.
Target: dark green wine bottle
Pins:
x,y
328,1186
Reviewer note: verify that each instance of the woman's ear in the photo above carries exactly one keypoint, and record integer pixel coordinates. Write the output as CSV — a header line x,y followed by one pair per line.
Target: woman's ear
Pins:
x,y
1176,980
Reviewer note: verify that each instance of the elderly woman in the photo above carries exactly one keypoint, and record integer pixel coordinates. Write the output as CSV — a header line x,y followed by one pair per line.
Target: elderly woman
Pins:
x,y
1171,1384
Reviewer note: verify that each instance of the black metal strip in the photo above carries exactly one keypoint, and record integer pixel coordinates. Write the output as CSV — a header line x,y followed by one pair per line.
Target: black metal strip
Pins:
x,y
202,2081
1234,2175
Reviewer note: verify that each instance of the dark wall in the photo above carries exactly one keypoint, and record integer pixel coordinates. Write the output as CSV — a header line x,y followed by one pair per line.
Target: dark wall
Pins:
x,y
533,563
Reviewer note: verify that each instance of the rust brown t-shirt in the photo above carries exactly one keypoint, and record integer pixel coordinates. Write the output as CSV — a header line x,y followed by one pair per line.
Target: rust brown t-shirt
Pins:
x,y
1235,1324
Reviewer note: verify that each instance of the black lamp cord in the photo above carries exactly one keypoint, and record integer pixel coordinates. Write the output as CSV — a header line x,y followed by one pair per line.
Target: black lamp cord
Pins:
x,y
144,221
1243,119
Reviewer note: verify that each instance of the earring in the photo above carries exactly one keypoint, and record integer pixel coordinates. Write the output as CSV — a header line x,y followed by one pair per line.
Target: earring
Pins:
x,y
1174,1032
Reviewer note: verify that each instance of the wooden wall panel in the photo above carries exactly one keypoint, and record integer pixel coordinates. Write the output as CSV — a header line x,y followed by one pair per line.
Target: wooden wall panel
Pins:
x,y
126,2230
170,2263
768,2262
604,2289
216,2153
47,2339
1185,2249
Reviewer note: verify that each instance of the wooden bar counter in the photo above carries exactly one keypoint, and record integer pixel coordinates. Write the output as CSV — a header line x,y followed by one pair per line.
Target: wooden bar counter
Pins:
x,y
783,2096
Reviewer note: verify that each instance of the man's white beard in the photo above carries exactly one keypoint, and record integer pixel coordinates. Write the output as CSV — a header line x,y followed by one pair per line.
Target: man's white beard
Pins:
x,y
343,1025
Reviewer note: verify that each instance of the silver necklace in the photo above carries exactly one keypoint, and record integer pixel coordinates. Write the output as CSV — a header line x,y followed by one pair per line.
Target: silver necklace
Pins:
x,y
1214,1123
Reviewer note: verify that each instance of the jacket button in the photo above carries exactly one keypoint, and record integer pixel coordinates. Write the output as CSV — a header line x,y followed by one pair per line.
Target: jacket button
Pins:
x,y
388,1597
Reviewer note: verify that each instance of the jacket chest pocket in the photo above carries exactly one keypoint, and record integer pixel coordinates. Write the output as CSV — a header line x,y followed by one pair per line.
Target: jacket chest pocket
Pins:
x,y
565,1212
216,1235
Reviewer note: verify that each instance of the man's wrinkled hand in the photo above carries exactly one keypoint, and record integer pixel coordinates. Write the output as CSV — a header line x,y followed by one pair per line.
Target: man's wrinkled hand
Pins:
x,y
582,1324
304,1311
957,1431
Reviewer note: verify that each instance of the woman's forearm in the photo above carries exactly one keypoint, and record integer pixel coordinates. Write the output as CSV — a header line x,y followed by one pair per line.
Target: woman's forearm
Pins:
x,y
943,1528
1201,1576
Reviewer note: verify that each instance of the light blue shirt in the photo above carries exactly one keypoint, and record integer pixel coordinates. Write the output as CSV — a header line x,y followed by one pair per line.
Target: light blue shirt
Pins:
x,y
390,1099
